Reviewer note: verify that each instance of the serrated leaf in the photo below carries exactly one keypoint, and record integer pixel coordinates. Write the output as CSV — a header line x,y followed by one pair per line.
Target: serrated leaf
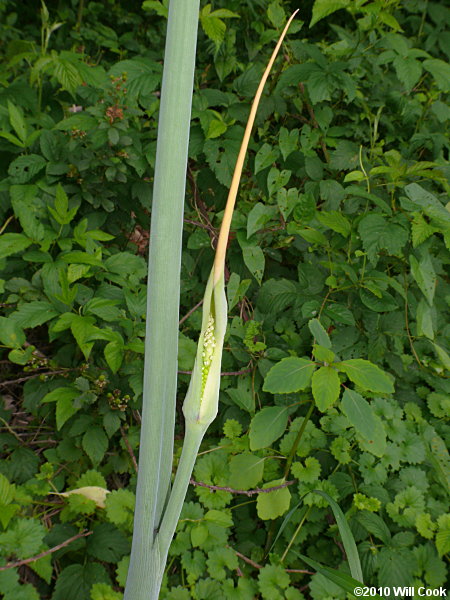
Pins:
x,y
267,425
375,525
29,209
291,374
107,543
276,295
24,168
367,375
408,70
336,221
325,387
114,353
10,243
440,71
17,121
32,314
425,276
75,581
379,234
119,506
319,333
360,414
324,8
95,443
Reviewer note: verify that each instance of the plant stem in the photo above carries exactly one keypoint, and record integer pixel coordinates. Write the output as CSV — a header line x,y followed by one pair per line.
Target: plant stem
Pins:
x,y
297,440
160,369
290,458
297,531
192,439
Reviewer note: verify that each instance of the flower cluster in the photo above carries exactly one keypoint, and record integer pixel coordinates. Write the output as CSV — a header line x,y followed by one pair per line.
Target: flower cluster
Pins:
x,y
209,343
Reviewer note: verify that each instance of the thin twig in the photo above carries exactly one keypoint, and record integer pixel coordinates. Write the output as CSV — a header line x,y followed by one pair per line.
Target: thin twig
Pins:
x,y
25,561
188,314
243,492
129,448
251,562
22,379
300,571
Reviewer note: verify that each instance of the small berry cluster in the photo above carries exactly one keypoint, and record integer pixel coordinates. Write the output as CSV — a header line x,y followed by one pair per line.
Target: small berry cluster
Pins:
x,y
36,362
118,402
100,383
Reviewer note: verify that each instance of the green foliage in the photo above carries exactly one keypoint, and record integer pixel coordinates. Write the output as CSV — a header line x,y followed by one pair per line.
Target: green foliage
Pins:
x,y
337,290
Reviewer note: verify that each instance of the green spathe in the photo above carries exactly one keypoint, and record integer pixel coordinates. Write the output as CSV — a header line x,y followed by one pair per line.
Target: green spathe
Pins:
x,y
202,399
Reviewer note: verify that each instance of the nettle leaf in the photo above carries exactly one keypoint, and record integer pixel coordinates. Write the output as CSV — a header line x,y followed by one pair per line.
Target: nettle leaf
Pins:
x,y
107,543
367,375
120,508
271,505
440,71
276,295
95,443
291,374
443,535
379,234
29,209
75,581
325,387
336,221
24,538
10,243
396,567
24,168
267,425
375,525
408,70
246,471
32,314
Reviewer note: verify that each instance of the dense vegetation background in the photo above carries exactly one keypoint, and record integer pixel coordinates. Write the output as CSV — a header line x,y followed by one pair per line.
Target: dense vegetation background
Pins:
x,y
339,252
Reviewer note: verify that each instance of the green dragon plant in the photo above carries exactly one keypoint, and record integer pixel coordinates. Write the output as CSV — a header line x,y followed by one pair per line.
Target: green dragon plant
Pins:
x,y
157,506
